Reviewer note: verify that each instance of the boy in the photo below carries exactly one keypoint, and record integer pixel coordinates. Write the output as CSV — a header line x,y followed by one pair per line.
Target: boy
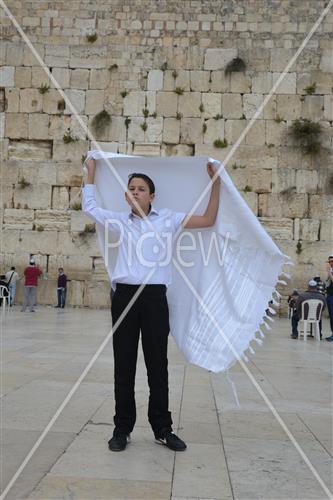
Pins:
x,y
144,227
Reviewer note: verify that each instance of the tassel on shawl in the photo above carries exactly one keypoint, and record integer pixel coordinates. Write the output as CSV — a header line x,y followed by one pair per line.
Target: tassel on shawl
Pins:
x,y
262,335
281,282
259,341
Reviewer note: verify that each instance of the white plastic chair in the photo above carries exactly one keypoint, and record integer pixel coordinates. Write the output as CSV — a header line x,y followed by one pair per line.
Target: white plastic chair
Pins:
x,y
311,314
4,295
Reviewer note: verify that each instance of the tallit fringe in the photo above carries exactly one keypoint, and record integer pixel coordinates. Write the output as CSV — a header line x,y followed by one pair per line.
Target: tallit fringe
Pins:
x,y
269,318
259,341
266,325
262,335
233,388
272,311
281,282
278,295
287,275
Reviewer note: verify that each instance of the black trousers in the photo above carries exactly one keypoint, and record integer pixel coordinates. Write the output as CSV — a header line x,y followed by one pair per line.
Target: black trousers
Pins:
x,y
150,315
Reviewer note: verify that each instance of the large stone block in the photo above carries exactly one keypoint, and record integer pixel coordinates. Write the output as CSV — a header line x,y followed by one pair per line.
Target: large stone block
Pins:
x,y
289,205
313,107
218,58
146,149
307,181
233,129
135,132
219,82
287,85
212,104
75,290
97,294
278,228
321,206
39,77
280,58
12,54
78,221
76,244
252,201
326,229
58,126
29,58
38,127
78,126
29,149
289,107
57,55
80,78
69,174
77,99
200,81
7,76
178,150
12,100
326,61
191,130
134,103
232,106
69,152
22,77
99,78
52,220
215,130
171,130
154,129
256,134
283,180
30,101
62,76
33,196
251,104
37,242
239,82
189,104
60,198
166,103
262,83
309,230
52,102
18,218
276,133
117,129
182,80
155,80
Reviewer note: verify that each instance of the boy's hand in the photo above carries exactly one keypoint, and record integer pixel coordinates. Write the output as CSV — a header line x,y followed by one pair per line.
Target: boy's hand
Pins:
x,y
91,167
91,164
211,170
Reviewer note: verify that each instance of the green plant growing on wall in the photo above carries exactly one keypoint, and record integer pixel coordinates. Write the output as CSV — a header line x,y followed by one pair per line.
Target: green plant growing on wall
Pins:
x,y
247,189
44,88
154,115
123,93
174,74
218,116
307,133
204,128
113,67
310,89
68,137
220,143
179,116
77,205
201,108
179,90
164,66
235,65
278,119
23,183
101,121
40,228
145,112
144,126
91,37
88,228
127,122
243,117
299,247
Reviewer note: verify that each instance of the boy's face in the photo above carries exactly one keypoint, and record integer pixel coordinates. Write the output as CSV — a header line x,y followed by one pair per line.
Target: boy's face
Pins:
x,y
138,190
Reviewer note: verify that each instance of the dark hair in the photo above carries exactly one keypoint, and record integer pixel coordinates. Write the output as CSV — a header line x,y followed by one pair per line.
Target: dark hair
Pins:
x,y
12,268
145,177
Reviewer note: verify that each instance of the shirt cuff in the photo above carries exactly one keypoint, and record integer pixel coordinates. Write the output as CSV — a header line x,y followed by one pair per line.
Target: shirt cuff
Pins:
x,y
89,188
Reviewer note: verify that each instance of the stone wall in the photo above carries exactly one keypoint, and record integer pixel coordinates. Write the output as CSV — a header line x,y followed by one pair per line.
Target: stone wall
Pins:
x,y
166,60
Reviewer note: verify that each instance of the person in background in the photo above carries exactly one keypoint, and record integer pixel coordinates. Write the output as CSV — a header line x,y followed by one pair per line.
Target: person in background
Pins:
x,y
329,294
12,278
61,288
31,274
310,293
3,283
292,299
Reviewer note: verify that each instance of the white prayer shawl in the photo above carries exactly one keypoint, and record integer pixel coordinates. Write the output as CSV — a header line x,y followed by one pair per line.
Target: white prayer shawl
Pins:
x,y
218,304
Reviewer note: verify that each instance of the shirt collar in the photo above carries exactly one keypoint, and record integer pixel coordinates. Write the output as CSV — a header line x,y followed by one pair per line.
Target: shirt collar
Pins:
x,y
153,211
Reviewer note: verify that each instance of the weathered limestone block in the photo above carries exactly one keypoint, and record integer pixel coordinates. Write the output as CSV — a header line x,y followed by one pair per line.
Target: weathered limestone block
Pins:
x,y
9,172
76,244
252,201
75,290
80,78
2,125
280,58
134,103
37,242
155,80
18,218
60,198
326,229
39,77
171,130
38,126
99,271
3,149
215,130
22,77
212,104
154,130
189,104
28,56
169,81
283,179
257,179
46,290
239,82
69,152
232,106
256,134
58,126
151,101
326,137
313,107
262,83
99,78
52,220
251,103
57,55
309,229
166,103
33,196
7,76
62,75
289,107
146,149
218,58
135,132
255,156
29,149
111,147
191,131
276,133
324,82
12,97
199,81
219,82
79,266
307,181
326,62
270,108
289,205
287,85
278,228
178,150
233,129
13,54
69,174
77,99
30,101
97,294
7,195
183,80
321,206
78,126
117,129
78,221
52,102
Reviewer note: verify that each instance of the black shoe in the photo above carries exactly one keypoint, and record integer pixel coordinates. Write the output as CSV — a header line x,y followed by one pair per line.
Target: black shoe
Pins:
x,y
169,439
119,442
294,336
329,339
56,307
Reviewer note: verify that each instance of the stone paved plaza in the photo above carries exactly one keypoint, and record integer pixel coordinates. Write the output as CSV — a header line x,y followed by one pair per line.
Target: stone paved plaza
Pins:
x,y
233,453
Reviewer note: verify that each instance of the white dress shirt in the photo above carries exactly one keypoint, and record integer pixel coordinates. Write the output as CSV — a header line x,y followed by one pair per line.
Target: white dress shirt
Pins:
x,y
143,244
